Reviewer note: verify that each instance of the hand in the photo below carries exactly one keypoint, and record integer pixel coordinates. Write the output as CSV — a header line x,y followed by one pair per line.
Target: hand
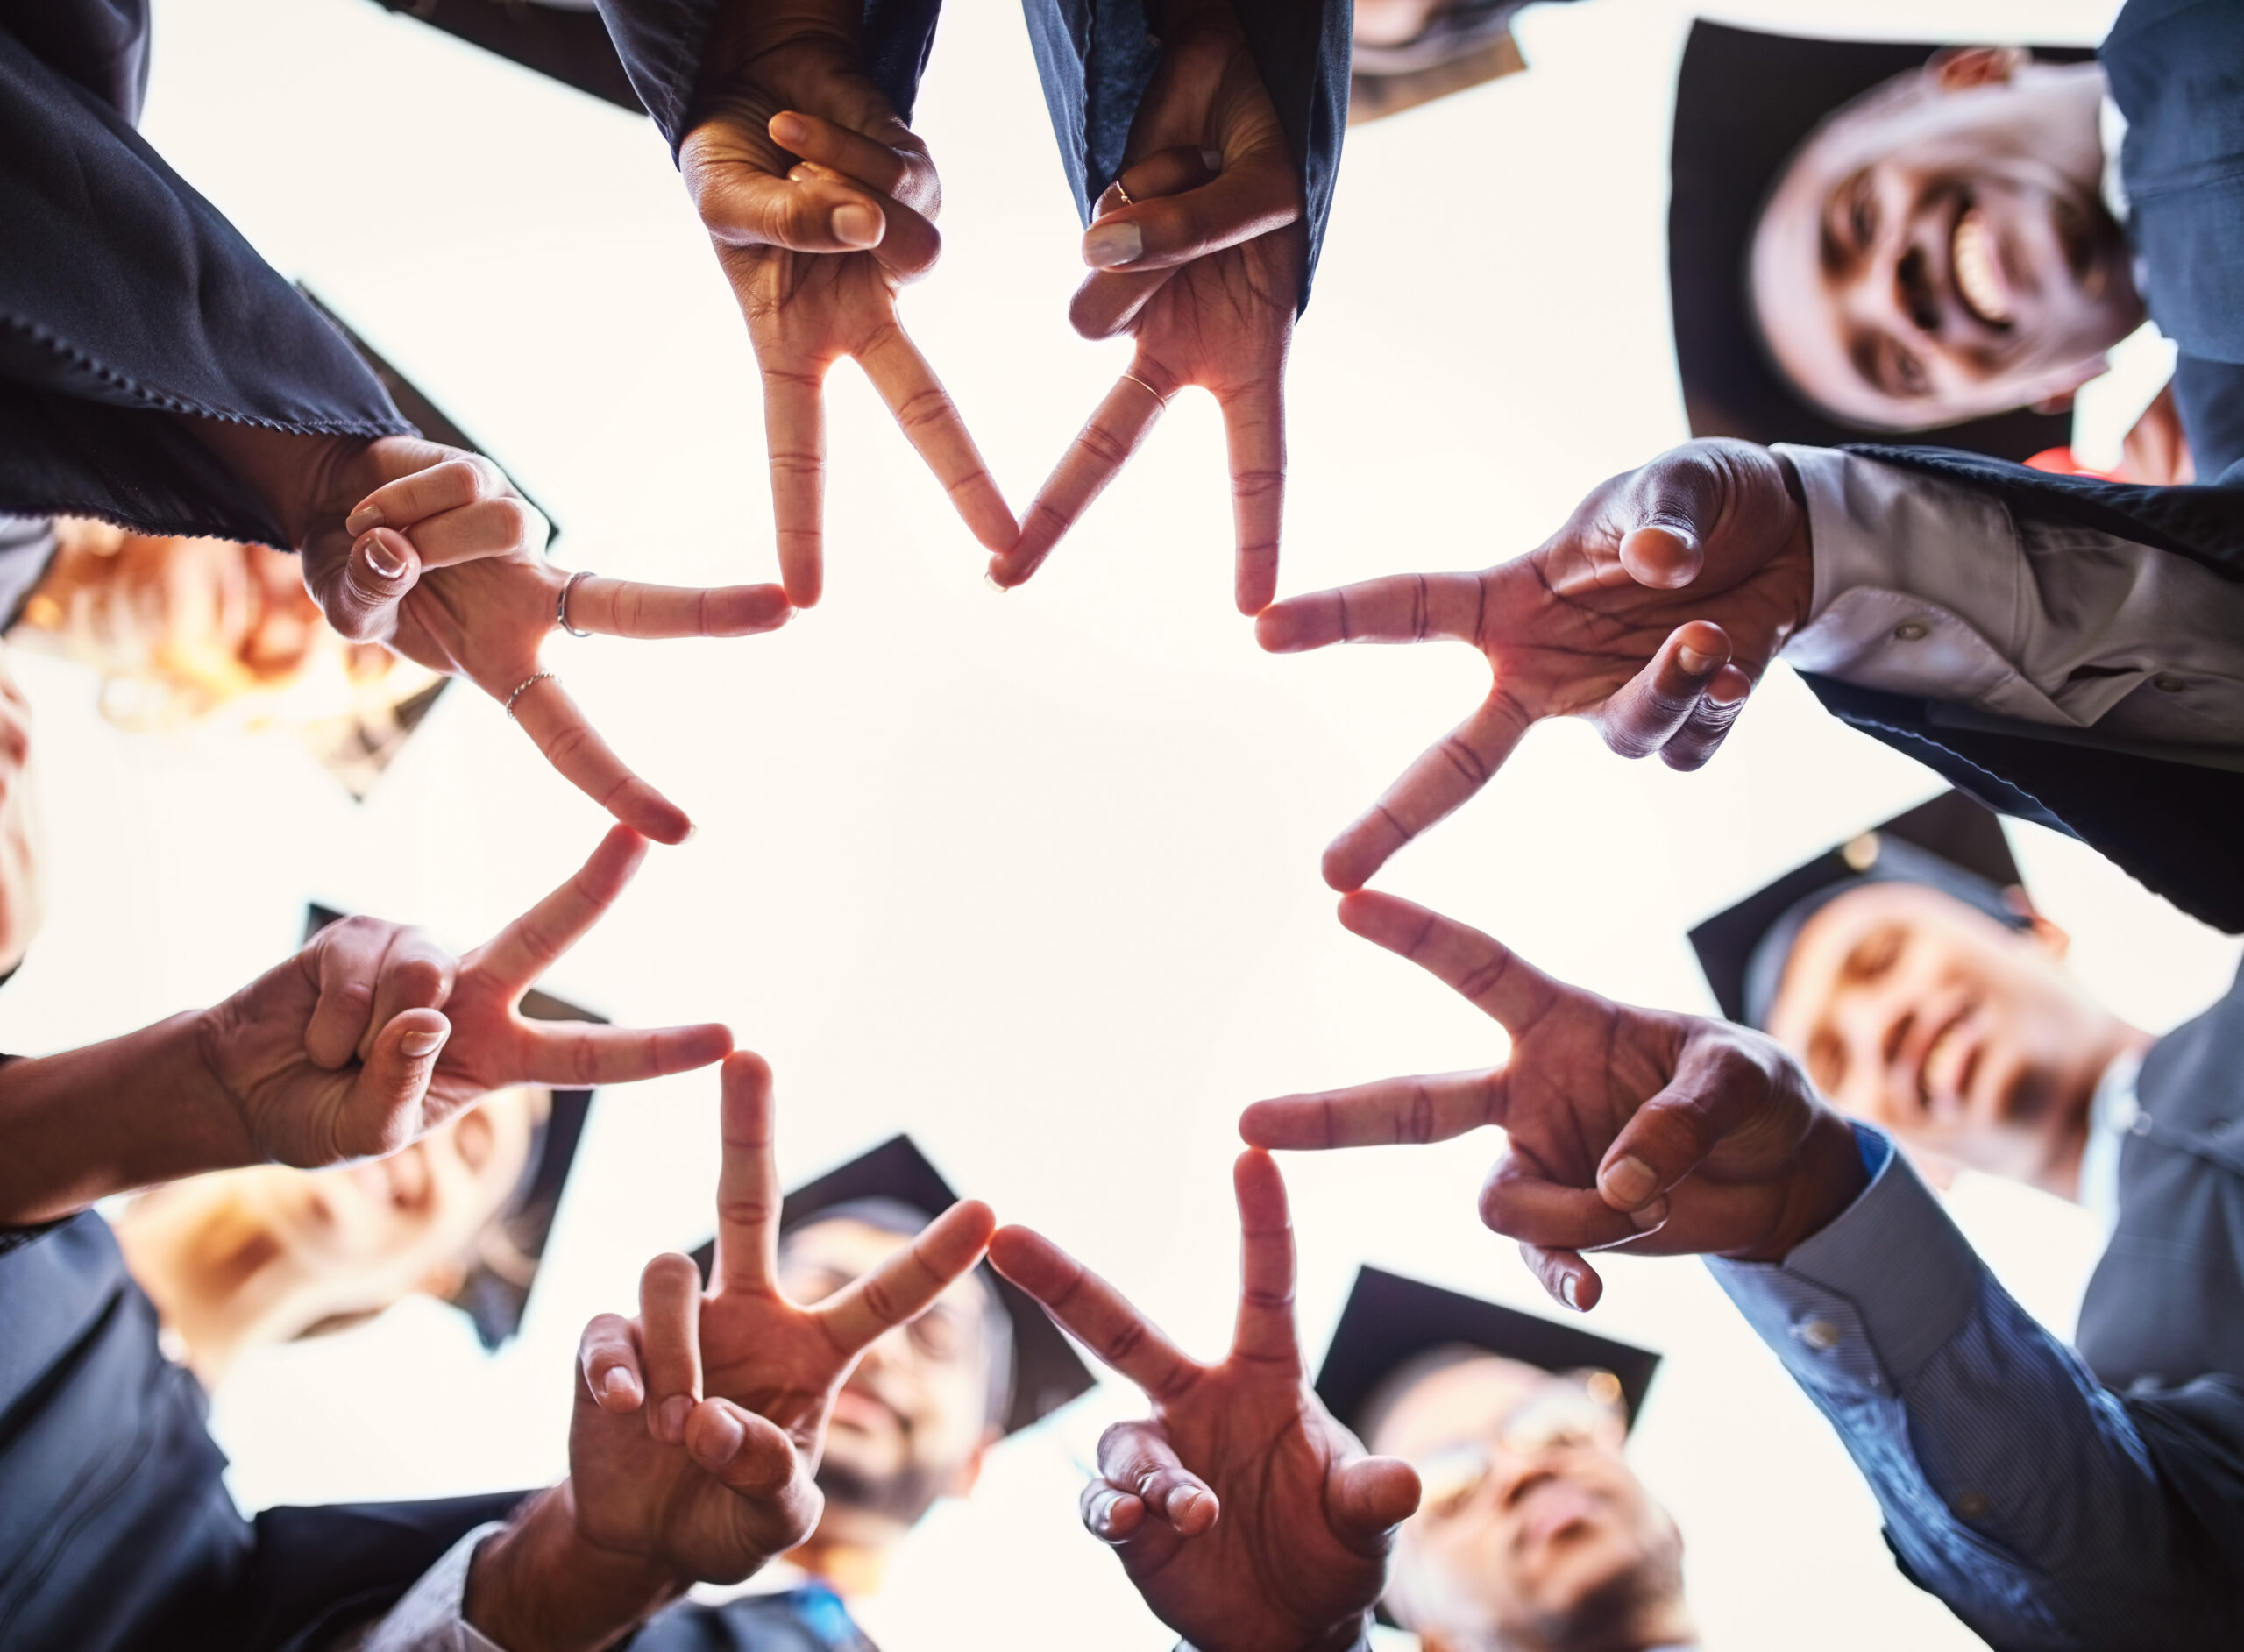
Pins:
x,y
1628,1129
699,1424
1652,612
1199,248
820,203
372,1035
21,904
1247,1517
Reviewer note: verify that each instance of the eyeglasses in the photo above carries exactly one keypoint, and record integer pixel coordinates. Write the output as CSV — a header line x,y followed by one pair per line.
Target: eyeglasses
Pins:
x,y
1574,1412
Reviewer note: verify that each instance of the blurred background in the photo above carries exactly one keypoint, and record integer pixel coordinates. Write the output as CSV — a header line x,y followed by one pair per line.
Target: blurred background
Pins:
x,y
1033,875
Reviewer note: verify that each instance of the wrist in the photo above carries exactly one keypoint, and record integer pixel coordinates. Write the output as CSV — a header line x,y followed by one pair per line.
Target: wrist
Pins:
x,y
1167,21
539,1586
295,475
1795,559
1829,1176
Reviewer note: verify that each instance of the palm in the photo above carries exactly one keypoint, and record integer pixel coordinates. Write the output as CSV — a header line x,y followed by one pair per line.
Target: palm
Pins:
x,y
635,1494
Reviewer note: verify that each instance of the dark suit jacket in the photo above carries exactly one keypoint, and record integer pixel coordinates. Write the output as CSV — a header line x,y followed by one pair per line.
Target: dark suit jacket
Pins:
x,y
2175,826
115,1528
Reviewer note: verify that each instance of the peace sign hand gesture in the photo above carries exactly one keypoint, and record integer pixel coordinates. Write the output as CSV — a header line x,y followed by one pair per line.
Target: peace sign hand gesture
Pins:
x,y
735,1385
1247,1517
1626,1128
1653,611
820,203
373,1035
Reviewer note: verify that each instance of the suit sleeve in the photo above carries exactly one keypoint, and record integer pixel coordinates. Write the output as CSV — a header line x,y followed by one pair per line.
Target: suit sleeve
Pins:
x,y
2014,1486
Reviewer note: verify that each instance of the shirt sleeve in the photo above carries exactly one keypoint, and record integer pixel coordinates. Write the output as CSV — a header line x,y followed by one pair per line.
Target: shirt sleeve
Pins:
x,y
1927,586
429,1618
2013,1486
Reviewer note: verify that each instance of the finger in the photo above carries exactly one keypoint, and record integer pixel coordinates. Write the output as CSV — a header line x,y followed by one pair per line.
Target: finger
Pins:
x,y
748,1182
877,166
1521,1203
570,744
1674,502
342,961
580,1055
488,528
670,1342
794,434
1499,982
383,1111
903,1286
1255,423
512,960
930,420
743,208
456,482
910,247
1111,1515
1571,1281
1100,450
607,1358
1264,1333
1413,1110
1166,171
1645,714
1250,199
1710,722
1093,1311
749,1453
414,974
1368,1498
1434,787
359,594
626,608
1137,1464
1402,608
1715,1090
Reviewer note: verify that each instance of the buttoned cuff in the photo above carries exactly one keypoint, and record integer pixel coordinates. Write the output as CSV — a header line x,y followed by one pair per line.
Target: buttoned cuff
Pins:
x,y
429,1618
1862,1305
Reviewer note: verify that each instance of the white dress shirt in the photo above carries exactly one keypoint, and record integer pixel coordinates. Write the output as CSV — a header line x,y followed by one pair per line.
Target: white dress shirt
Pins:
x,y
1928,587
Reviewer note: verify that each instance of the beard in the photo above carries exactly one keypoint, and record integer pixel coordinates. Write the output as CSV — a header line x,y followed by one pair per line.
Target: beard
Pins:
x,y
1605,1617
903,1496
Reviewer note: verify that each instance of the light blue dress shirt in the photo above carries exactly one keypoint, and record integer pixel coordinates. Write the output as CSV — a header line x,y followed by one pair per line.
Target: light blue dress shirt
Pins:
x,y
2015,1487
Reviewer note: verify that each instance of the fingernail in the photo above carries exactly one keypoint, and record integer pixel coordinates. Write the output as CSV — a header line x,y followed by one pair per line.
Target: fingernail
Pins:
x,y
1181,1502
1102,1513
1212,159
1693,662
1650,1216
855,224
991,580
1106,245
382,559
1630,1180
365,517
675,1410
790,129
618,1386
420,1044
721,1440
1567,1292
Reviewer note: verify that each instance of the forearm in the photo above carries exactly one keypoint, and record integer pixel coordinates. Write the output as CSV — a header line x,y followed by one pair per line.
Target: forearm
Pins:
x,y
294,475
110,1117
539,1586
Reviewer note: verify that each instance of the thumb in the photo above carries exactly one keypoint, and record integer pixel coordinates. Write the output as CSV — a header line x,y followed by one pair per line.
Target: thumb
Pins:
x,y
1369,1497
1667,512
383,1112
359,594
1715,1087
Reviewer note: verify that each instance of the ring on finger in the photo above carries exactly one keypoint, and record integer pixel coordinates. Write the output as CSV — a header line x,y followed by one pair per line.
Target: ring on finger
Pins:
x,y
1124,194
523,687
561,608
1147,388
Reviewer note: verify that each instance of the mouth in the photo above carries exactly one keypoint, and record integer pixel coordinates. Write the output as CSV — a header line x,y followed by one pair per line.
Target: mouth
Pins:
x,y
1951,1062
1976,263
866,1414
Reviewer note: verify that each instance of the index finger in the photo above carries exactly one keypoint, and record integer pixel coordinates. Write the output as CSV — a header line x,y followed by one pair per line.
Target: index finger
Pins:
x,y
627,608
930,419
794,436
1255,426
1093,1311
570,744
908,1280
526,948
1100,450
1400,608
1391,1111
1499,982
1264,1333
747,1183
1436,786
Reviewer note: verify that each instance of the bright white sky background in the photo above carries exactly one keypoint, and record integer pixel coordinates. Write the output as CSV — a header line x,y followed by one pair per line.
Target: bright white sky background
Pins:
x,y
1033,875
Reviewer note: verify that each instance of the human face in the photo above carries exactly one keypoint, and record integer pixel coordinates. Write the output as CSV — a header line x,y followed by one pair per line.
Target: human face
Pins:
x,y
911,1423
1962,1037
1939,251
1532,1528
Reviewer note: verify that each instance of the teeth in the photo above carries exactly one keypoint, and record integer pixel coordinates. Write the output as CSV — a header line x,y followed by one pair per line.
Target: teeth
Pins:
x,y
1978,277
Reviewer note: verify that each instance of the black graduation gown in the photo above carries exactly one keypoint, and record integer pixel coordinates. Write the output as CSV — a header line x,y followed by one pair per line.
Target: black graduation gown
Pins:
x,y
116,1531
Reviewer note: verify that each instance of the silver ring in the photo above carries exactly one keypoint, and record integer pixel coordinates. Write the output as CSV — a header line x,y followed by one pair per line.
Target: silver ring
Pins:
x,y
561,608
1147,388
536,676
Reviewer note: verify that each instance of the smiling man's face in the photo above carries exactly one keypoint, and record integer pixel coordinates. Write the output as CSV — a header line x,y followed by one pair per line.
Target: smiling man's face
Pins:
x,y
1938,250
1533,1531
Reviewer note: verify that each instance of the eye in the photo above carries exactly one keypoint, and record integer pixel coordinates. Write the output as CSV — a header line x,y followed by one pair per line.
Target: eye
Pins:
x,y
472,1138
1448,1478
1826,1060
1874,955
938,1334
1861,211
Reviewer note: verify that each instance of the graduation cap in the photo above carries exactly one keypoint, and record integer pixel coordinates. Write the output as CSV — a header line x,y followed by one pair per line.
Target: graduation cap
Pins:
x,y
496,1288
1743,102
896,1179
564,42
1950,844
1465,43
1391,1320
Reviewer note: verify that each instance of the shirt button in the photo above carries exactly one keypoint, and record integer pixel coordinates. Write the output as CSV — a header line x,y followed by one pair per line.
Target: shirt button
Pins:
x,y
1912,631
1818,1334
2141,1126
1971,1506
2166,683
